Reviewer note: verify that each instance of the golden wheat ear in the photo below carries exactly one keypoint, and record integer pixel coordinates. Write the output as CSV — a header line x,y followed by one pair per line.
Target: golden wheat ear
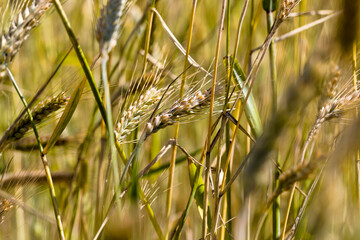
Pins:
x,y
186,107
19,30
290,177
135,113
5,206
40,113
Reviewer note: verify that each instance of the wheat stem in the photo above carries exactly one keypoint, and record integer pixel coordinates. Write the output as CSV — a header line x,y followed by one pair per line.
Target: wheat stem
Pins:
x,y
40,112
176,130
80,54
43,158
110,127
212,103
148,35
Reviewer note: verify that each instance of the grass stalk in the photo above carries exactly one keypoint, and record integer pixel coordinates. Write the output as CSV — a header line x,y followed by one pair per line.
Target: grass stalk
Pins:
x,y
287,212
80,54
180,224
143,198
355,84
176,127
212,100
148,35
109,126
273,73
31,103
226,213
232,144
43,158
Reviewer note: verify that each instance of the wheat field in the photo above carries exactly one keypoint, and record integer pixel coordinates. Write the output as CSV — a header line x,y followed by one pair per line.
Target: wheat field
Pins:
x,y
125,119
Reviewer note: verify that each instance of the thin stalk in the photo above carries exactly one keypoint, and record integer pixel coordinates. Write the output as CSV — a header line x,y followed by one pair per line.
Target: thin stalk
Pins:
x,y
177,231
231,147
251,77
304,204
357,160
288,212
19,213
112,204
167,165
261,223
196,183
226,213
255,16
81,57
216,183
272,52
254,70
276,203
148,35
151,214
43,158
31,103
110,126
248,225
207,172
354,67
176,130
73,216
142,196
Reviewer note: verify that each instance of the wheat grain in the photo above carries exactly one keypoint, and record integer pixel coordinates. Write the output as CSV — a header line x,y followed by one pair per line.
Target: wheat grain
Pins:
x,y
40,112
19,30
286,7
5,206
134,114
108,25
186,107
334,109
288,178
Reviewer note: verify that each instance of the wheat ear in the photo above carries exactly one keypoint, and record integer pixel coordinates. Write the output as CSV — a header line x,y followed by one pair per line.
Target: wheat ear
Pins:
x,y
5,206
108,25
19,30
334,109
40,112
186,107
134,114
286,7
290,177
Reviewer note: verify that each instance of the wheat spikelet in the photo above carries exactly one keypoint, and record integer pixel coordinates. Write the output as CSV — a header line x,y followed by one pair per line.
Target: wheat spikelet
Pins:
x,y
133,115
19,30
108,25
335,108
286,7
330,88
5,206
186,107
332,85
40,112
288,178
332,106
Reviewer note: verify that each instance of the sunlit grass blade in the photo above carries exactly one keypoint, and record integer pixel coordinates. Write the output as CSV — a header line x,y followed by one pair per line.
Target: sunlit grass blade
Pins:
x,y
66,116
251,110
